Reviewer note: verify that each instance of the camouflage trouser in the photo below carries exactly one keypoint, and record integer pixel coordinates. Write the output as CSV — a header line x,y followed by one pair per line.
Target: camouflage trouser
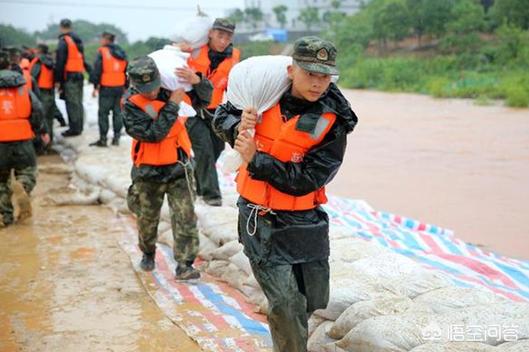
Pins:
x,y
109,103
27,177
73,96
145,199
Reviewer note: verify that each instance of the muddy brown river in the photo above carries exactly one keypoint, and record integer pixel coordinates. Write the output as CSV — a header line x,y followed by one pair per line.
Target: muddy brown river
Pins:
x,y
446,162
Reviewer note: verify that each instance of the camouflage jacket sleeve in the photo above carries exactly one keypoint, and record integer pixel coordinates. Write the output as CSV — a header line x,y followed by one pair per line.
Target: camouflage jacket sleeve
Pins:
x,y
201,93
60,61
37,115
140,126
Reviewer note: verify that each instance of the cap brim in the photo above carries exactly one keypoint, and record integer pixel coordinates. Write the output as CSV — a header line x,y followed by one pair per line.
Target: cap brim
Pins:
x,y
148,87
225,29
318,68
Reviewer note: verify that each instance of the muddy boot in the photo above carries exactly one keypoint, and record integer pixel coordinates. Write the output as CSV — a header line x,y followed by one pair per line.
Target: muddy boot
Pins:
x,y
186,272
213,202
21,201
147,262
102,142
115,141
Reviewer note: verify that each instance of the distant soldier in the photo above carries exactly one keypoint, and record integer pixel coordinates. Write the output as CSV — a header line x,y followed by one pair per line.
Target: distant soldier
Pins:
x,y
21,121
41,68
69,69
214,61
109,79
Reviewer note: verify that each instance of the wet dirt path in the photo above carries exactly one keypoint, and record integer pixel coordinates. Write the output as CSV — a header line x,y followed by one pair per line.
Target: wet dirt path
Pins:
x,y
66,285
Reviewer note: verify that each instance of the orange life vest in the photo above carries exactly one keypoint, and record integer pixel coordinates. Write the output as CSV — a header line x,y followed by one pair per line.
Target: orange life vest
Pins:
x,y
164,152
219,76
74,61
25,66
281,140
15,111
113,74
45,79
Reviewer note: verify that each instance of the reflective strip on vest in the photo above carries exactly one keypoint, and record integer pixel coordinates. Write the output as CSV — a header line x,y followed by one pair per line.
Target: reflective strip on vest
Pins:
x,y
74,61
164,152
281,140
219,76
15,111
113,70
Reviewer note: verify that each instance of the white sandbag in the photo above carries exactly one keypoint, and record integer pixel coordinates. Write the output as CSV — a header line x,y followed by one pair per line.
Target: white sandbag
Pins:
x,y
106,196
389,333
346,294
257,82
227,250
163,226
251,281
351,249
68,196
217,267
319,339
222,234
314,322
211,217
416,283
195,31
168,60
242,262
206,246
454,347
513,346
450,298
233,276
387,267
361,311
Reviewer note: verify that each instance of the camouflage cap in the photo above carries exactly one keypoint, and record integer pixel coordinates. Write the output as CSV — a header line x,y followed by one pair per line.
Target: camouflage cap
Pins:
x,y
315,55
224,24
144,74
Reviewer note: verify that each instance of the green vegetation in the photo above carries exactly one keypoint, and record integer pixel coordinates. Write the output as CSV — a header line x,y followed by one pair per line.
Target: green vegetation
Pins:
x,y
450,48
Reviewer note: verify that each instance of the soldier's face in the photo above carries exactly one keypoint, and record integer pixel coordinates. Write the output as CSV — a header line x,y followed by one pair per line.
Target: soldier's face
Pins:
x,y
151,95
308,85
219,40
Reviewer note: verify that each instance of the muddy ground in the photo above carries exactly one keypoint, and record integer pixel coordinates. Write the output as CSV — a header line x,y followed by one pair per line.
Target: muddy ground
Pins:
x,y
66,283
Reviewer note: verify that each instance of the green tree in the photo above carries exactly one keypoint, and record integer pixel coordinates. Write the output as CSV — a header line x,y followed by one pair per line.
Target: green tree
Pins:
x,y
280,13
10,35
254,16
309,16
88,31
468,19
391,20
429,16
514,12
237,16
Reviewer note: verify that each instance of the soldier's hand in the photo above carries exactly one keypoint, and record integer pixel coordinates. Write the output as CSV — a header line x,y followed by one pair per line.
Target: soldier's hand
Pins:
x,y
95,92
187,75
184,46
248,119
45,138
177,96
245,145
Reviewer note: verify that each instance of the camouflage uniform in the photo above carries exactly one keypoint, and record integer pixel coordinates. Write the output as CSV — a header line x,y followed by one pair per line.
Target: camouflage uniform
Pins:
x,y
18,157
151,183
47,96
289,251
